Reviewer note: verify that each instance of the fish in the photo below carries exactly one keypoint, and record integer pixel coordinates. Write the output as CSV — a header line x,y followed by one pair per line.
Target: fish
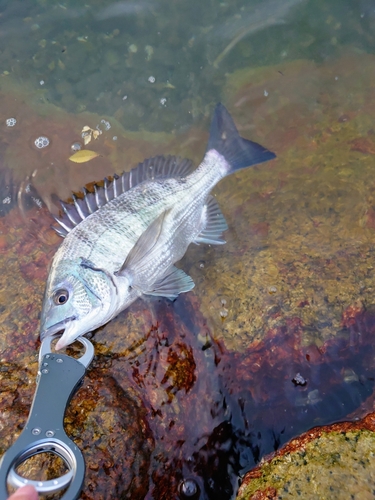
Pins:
x,y
122,241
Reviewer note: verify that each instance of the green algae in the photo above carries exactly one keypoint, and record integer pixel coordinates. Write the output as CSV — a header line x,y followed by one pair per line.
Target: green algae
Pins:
x,y
333,466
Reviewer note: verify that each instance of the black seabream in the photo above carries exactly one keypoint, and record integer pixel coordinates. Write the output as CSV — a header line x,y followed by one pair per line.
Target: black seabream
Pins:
x,y
122,241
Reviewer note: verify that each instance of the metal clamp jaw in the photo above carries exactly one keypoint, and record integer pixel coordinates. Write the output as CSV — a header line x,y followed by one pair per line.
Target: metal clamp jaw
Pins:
x,y
59,377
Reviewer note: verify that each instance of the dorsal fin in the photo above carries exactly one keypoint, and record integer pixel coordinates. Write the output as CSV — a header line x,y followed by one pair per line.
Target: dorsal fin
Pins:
x,y
158,167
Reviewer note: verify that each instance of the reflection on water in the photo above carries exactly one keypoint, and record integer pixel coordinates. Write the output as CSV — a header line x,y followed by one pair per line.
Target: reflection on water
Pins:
x,y
248,21
277,337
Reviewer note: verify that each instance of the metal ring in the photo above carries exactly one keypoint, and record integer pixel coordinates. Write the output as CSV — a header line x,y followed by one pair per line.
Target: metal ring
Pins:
x,y
86,357
52,485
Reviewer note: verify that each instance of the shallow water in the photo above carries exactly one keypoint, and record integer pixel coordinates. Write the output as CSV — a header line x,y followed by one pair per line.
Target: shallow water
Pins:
x,y
277,336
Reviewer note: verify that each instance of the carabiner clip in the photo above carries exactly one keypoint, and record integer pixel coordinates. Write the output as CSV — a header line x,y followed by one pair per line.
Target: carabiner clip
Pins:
x,y
59,377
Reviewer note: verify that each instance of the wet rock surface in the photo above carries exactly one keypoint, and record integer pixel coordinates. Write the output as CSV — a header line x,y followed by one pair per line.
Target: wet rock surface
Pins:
x,y
277,337
333,462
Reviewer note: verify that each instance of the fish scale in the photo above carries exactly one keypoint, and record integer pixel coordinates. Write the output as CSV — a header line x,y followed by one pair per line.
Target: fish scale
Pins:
x,y
122,241
105,231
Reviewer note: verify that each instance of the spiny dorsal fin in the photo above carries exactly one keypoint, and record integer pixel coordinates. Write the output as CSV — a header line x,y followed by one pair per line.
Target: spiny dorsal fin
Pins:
x,y
159,167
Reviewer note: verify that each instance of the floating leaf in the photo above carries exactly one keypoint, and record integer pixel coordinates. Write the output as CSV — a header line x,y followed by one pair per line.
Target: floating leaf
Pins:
x,y
87,139
83,155
86,128
95,134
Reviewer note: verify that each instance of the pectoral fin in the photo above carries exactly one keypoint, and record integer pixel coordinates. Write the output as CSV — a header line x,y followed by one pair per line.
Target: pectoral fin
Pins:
x,y
142,252
142,256
174,282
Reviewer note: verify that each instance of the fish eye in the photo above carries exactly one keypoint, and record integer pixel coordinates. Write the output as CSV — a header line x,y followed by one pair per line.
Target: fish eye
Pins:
x,y
60,296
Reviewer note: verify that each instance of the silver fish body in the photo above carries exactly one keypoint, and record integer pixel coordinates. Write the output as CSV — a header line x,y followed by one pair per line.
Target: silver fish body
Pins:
x,y
124,242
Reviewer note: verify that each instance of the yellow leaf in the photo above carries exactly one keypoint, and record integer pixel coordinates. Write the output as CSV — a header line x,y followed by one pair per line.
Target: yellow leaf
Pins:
x,y
95,134
83,155
86,128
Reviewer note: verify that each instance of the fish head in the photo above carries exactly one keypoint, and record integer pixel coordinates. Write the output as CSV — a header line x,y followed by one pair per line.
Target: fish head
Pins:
x,y
77,299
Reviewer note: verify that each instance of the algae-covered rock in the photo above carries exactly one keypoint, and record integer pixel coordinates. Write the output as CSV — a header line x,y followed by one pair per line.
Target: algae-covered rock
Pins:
x,y
334,465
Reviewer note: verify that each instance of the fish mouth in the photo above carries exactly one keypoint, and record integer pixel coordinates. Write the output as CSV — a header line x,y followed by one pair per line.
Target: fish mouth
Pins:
x,y
57,327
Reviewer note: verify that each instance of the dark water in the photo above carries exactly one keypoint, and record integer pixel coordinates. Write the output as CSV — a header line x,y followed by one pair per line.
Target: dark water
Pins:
x,y
238,407
277,336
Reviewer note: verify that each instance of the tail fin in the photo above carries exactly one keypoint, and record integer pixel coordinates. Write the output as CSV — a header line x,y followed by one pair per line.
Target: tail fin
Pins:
x,y
225,139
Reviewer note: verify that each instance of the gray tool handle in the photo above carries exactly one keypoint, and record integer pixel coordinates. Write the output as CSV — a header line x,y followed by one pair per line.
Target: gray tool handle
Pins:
x,y
58,379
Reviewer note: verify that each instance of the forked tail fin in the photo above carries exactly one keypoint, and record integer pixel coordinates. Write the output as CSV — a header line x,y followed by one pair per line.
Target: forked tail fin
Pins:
x,y
226,140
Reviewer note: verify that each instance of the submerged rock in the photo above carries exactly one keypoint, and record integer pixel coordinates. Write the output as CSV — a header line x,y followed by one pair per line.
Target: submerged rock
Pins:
x,y
188,396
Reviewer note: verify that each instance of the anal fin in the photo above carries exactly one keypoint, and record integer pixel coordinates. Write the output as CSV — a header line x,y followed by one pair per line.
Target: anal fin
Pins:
x,y
174,282
214,224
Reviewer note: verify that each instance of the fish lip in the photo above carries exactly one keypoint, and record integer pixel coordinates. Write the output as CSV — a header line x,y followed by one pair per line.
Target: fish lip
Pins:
x,y
57,327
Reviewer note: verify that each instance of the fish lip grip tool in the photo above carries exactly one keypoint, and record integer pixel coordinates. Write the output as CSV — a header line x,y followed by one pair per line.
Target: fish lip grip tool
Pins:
x,y
59,376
